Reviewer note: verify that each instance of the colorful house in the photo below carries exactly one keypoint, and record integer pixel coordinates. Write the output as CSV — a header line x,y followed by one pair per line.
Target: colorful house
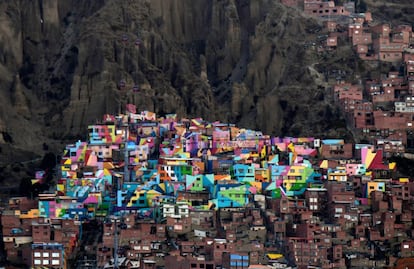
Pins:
x,y
174,172
76,152
231,195
194,183
374,186
355,169
243,172
297,179
338,174
138,199
262,175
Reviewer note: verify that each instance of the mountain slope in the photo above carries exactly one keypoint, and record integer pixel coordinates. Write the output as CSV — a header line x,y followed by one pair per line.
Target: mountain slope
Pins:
x,y
239,61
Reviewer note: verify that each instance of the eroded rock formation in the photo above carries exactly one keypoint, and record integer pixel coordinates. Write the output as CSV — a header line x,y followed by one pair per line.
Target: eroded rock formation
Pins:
x,y
61,63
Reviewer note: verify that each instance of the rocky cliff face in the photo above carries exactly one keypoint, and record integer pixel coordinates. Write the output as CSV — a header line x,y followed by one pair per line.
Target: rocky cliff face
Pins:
x,y
62,63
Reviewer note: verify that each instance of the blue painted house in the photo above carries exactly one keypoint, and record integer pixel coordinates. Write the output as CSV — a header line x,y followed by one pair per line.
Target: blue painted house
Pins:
x,y
242,172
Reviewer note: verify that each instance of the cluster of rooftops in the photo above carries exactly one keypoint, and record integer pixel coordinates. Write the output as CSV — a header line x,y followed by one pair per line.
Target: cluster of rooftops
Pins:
x,y
136,162
167,171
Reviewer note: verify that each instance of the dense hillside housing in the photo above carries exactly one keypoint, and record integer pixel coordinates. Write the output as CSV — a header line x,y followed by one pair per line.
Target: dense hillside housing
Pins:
x,y
164,191
161,192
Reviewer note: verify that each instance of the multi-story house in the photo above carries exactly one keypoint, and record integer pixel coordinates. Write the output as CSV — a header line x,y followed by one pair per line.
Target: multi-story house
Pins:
x,y
48,255
321,8
104,134
348,91
338,174
336,149
390,147
231,195
340,198
243,173
361,38
17,237
316,199
178,210
178,226
390,43
406,106
386,120
362,117
62,232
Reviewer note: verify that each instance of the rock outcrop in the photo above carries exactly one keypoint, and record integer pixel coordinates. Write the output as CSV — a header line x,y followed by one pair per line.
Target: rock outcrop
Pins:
x,y
62,64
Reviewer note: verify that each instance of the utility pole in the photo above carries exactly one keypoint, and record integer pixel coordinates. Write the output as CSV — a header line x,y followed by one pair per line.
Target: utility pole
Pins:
x,y
126,155
115,220
116,246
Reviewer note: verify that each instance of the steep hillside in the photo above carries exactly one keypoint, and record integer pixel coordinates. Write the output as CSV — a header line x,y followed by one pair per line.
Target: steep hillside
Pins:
x,y
61,64
65,63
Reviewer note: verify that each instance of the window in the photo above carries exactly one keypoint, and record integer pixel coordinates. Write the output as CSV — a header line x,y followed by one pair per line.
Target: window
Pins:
x,y
153,230
55,262
193,265
45,262
55,255
45,254
36,254
37,262
338,210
